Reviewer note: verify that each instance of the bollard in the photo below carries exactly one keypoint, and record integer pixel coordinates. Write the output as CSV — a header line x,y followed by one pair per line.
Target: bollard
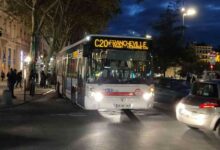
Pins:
x,y
7,97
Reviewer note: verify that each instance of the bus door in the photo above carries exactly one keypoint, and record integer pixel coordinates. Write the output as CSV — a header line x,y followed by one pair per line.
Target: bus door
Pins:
x,y
64,76
81,77
59,70
69,75
74,81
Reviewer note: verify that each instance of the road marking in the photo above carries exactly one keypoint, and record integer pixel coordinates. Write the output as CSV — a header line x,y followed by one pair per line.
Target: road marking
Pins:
x,y
71,114
131,115
50,91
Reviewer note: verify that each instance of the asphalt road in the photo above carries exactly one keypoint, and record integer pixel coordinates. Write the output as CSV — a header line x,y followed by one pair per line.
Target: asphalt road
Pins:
x,y
56,124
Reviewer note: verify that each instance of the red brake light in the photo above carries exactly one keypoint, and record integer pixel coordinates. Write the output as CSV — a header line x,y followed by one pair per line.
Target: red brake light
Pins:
x,y
209,105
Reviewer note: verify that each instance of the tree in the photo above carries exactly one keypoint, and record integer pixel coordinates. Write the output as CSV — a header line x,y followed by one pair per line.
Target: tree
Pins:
x,y
36,11
63,21
169,49
70,20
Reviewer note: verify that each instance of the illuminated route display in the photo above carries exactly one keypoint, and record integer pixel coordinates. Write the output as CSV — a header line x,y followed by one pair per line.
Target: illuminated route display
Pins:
x,y
119,43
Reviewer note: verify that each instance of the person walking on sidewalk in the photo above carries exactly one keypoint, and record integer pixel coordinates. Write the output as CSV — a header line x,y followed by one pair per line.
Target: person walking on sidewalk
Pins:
x,y
11,81
9,78
42,79
19,79
2,75
32,78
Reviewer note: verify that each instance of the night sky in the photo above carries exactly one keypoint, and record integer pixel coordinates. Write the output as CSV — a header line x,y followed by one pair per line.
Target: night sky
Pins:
x,y
136,19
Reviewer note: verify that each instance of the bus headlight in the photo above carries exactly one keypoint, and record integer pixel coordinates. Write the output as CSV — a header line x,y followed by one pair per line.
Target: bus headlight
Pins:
x,y
98,96
147,95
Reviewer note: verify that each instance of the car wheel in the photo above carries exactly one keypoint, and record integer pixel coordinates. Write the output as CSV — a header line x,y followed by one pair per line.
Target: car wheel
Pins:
x,y
218,130
193,128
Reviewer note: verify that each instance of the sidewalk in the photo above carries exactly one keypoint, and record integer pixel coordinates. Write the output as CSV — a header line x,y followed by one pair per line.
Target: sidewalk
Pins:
x,y
19,93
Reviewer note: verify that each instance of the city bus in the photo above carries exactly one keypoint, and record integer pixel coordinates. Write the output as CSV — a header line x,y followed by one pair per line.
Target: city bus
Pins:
x,y
106,72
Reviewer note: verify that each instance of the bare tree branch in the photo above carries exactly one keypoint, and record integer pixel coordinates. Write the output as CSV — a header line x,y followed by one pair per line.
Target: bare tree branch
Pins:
x,y
44,14
27,5
22,4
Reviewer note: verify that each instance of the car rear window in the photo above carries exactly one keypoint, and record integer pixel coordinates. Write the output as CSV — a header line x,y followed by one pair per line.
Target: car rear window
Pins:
x,y
205,89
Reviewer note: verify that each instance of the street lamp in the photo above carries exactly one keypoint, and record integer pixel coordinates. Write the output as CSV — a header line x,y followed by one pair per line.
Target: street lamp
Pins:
x,y
187,12
27,59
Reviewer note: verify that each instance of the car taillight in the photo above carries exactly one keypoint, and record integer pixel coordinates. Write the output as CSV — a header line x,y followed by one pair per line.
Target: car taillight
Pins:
x,y
209,105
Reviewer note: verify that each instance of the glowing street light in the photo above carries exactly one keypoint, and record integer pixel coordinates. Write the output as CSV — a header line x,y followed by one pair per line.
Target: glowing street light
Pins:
x,y
149,37
51,59
188,12
27,59
183,9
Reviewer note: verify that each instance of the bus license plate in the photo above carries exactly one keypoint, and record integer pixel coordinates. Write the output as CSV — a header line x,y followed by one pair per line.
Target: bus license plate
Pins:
x,y
122,106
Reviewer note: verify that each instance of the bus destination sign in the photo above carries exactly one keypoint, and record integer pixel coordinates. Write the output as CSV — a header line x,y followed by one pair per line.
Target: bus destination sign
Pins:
x,y
119,43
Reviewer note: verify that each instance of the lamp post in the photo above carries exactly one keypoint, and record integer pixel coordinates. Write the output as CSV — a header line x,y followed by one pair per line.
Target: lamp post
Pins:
x,y
187,12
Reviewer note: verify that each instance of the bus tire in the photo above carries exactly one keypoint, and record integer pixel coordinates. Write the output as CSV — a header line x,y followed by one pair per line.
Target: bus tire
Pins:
x,y
217,131
192,128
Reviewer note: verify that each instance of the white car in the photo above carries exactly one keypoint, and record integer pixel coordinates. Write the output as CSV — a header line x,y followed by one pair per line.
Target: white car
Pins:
x,y
201,108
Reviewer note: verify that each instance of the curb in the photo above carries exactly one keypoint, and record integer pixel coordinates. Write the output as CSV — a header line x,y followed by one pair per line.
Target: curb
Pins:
x,y
35,98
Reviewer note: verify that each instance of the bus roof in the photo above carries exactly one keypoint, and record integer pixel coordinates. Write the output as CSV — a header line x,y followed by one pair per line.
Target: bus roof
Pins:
x,y
116,36
87,39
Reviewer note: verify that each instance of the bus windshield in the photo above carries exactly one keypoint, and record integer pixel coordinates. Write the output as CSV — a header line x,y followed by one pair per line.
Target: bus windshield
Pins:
x,y
119,67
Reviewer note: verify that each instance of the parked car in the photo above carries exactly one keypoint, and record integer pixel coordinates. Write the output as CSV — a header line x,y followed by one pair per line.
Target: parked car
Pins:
x,y
201,108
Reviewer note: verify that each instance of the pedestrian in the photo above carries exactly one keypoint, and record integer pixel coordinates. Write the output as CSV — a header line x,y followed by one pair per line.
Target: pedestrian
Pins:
x,y
193,79
37,78
11,81
19,79
2,75
48,78
32,78
9,78
42,79
14,80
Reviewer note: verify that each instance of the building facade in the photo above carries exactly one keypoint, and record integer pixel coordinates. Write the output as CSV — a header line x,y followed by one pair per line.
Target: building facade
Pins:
x,y
203,51
14,40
